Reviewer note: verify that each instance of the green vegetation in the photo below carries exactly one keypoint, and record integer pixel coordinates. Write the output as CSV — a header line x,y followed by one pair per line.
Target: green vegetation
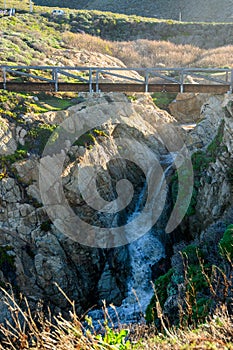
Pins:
x,y
117,338
6,258
200,162
24,46
135,40
54,102
89,138
6,162
161,294
204,284
60,333
12,158
14,105
38,136
46,225
226,243
163,99
192,254
40,38
215,147
85,140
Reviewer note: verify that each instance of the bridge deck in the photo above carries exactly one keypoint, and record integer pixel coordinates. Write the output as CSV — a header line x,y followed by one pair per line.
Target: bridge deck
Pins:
x,y
96,79
115,87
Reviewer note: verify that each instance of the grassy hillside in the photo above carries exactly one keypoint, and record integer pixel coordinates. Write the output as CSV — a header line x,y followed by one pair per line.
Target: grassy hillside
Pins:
x,y
40,38
196,10
119,27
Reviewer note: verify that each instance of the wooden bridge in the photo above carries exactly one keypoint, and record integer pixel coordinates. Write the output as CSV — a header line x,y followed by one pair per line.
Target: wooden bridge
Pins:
x,y
96,79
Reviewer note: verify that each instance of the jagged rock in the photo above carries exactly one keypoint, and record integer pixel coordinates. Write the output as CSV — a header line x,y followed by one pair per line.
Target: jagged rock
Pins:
x,y
7,142
10,192
45,255
187,107
215,184
107,287
212,113
28,170
20,134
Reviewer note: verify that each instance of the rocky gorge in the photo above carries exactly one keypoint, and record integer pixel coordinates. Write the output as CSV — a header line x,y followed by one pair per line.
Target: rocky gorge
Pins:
x,y
119,137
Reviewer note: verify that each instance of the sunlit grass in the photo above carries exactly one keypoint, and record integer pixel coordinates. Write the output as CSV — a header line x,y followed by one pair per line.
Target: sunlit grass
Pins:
x,y
20,4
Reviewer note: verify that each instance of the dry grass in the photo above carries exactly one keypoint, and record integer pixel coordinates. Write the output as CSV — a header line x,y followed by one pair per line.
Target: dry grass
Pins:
x,y
34,331
215,334
219,57
152,53
148,53
87,42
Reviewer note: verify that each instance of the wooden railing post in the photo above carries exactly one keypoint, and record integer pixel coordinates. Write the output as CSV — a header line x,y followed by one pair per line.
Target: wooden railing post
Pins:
x,y
181,81
55,78
97,81
90,81
231,84
4,77
146,81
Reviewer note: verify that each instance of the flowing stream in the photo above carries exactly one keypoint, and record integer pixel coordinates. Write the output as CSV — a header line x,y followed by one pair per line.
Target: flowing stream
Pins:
x,y
144,253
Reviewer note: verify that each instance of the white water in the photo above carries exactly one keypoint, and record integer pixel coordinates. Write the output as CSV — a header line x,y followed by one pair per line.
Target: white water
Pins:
x,y
143,253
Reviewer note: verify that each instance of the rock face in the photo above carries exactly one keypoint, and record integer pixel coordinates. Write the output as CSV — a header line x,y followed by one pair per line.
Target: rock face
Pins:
x,y
216,186
118,140
211,144
210,116
7,142
187,107
44,255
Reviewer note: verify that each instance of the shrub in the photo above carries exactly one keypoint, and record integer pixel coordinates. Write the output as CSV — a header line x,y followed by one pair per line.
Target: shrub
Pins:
x,y
163,99
203,286
46,225
226,243
38,136
160,287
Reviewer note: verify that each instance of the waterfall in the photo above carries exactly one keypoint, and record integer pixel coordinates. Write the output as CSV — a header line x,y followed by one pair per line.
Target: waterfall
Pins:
x,y
144,253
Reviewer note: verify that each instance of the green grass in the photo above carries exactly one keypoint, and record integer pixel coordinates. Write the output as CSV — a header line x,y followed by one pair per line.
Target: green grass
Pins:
x,y
14,104
52,103
163,99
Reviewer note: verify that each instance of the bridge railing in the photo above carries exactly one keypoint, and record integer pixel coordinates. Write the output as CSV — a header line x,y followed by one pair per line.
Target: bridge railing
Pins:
x,y
94,76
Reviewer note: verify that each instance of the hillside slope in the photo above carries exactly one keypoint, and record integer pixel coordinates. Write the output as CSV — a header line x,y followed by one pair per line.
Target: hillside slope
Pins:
x,y
58,41
196,10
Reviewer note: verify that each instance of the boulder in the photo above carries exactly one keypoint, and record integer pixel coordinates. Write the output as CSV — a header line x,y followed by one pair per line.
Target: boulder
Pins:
x,y
187,107
8,144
